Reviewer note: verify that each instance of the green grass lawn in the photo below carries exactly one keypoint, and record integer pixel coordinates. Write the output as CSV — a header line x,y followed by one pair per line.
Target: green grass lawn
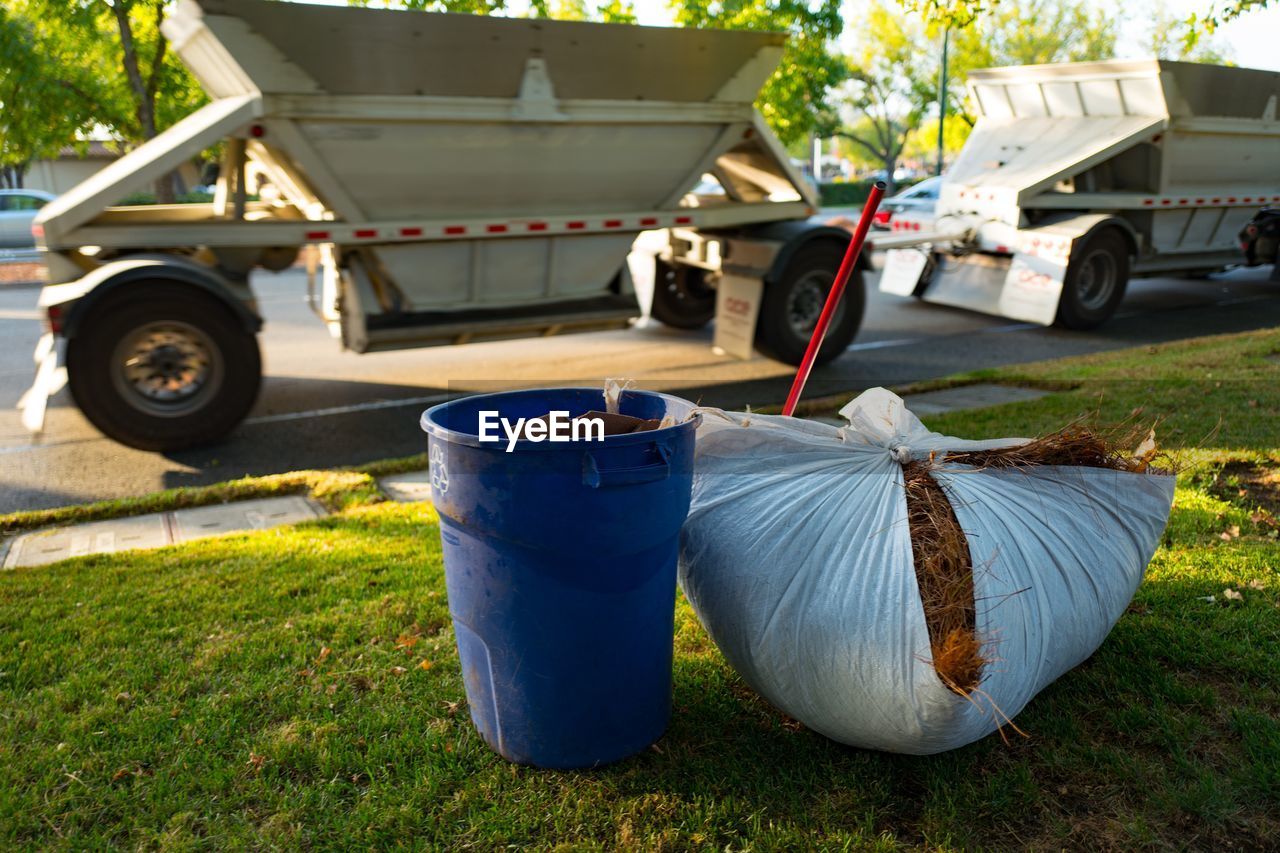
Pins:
x,y
298,687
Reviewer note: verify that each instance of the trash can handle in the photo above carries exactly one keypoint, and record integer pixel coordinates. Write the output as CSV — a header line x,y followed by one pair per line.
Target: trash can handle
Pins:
x,y
595,477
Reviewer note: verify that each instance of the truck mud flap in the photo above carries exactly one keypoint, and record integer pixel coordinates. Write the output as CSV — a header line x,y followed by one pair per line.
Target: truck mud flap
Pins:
x,y
1023,287
51,376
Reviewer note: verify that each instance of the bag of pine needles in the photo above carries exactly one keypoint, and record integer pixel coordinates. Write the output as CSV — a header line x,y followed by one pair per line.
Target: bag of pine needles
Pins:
x,y
898,589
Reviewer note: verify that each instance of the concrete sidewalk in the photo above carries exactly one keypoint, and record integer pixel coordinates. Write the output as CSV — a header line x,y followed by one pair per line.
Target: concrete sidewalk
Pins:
x,y
155,530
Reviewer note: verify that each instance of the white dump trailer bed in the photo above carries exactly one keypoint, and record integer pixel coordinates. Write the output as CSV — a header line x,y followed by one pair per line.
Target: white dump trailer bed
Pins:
x,y
1077,176
460,177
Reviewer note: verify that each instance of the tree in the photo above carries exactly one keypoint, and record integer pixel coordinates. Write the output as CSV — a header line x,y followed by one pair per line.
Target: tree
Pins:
x,y
892,84
1197,25
112,63
962,13
795,99
1170,37
41,110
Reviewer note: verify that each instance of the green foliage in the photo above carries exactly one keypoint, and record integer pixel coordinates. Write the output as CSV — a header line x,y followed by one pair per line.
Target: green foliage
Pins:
x,y
891,107
47,97
963,13
922,143
1171,37
1196,26
892,84
193,197
850,193
794,101
82,67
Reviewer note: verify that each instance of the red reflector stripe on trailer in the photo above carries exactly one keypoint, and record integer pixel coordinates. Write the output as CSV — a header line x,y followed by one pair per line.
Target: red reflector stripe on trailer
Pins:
x,y
317,235
455,229
496,229
1148,201
649,220
537,226
613,223
575,226
410,232
365,233
683,220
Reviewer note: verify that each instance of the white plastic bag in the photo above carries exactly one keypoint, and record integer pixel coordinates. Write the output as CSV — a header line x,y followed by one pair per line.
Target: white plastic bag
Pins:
x,y
797,558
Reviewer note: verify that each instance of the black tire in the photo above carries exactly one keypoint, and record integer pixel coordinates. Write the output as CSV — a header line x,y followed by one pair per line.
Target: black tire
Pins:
x,y
926,277
163,367
790,307
681,297
1094,286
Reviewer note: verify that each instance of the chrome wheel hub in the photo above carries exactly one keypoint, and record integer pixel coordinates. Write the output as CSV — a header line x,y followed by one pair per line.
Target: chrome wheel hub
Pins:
x,y
806,300
1097,281
167,367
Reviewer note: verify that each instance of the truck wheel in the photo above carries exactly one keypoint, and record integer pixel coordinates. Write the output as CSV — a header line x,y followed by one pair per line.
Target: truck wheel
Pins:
x,y
163,367
931,265
791,306
681,297
1096,278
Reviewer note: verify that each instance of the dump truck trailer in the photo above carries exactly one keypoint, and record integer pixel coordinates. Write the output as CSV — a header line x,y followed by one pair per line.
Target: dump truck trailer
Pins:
x,y
458,178
1079,176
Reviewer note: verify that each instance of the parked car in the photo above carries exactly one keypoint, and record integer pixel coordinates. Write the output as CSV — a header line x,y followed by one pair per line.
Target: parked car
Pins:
x,y
919,199
18,209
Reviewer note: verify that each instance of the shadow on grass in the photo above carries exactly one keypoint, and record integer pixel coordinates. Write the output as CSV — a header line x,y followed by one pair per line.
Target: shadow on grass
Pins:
x,y
1167,734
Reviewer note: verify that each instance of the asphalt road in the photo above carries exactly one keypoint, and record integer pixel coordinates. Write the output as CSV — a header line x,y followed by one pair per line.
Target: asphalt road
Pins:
x,y
320,407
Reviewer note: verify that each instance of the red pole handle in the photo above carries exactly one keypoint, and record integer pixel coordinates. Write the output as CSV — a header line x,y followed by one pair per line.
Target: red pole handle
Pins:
x,y
833,297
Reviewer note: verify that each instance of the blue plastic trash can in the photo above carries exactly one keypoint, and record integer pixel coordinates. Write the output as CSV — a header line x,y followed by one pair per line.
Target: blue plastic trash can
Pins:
x,y
560,563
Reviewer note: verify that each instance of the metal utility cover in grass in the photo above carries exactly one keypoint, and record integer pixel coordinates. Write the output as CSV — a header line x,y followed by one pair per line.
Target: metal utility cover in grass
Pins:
x,y
407,487
99,537
970,397
204,521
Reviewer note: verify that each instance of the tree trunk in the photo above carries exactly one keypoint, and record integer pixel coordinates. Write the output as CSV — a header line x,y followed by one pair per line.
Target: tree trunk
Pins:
x,y
11,176
164,189
144,91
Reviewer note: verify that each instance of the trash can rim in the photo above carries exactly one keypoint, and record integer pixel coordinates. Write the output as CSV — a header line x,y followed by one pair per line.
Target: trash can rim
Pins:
x,y
451,436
